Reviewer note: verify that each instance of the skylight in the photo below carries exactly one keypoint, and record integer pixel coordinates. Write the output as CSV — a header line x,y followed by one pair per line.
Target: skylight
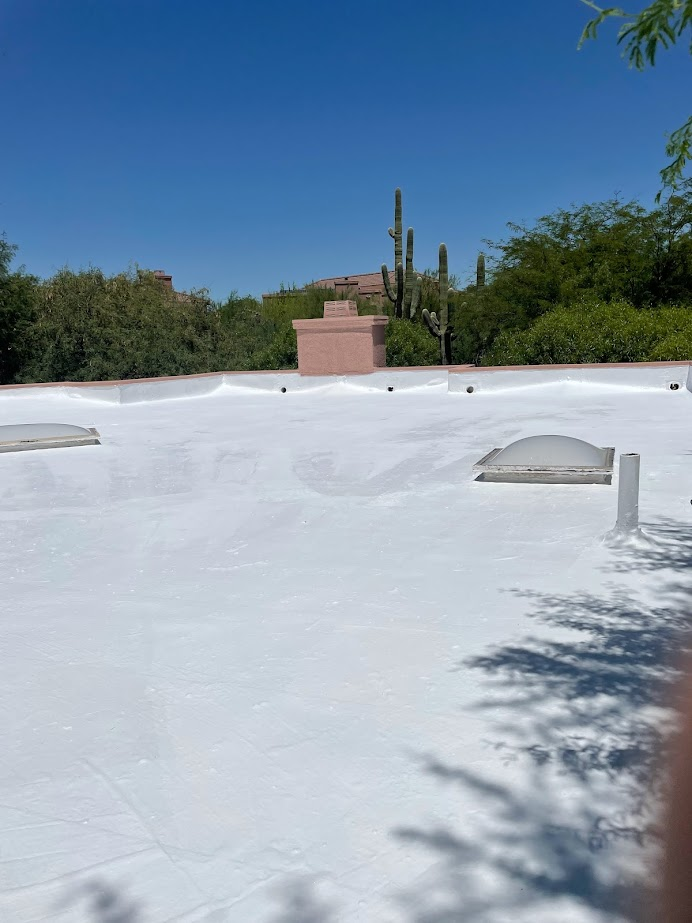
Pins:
x,y
548,459
20,437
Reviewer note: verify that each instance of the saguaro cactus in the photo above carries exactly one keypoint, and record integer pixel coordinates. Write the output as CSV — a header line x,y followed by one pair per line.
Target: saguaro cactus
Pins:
x,y
480,270
438,324
406,297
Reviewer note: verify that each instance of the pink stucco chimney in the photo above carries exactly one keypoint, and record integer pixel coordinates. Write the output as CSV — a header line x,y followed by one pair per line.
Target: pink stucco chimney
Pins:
x,y
340,343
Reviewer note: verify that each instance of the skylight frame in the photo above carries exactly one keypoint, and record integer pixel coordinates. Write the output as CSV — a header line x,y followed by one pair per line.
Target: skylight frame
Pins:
x,y
91,437
545,474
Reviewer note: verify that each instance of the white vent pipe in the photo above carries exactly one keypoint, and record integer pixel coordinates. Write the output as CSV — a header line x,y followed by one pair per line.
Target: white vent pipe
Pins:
x,y
628,494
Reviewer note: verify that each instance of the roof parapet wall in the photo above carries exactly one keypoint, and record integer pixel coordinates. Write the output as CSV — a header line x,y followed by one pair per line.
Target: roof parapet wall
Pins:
x,y
468,380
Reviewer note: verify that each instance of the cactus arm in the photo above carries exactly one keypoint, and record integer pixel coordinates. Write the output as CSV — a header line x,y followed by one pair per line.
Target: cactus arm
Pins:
x,y
431,322
408,285
387,284
409,249
446,346
438,325
415,297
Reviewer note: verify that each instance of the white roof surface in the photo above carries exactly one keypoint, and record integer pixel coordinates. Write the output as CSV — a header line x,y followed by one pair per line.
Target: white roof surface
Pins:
x,y
278,658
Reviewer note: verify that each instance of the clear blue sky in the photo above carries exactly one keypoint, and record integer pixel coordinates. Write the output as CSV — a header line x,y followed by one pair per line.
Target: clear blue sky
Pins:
x,y
241,145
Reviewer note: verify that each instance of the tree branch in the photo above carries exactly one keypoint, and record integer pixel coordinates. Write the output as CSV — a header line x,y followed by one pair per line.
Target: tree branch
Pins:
x,y
658,26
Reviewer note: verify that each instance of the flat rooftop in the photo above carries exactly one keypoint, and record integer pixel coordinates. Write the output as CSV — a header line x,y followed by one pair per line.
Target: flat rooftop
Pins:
x,y
278,657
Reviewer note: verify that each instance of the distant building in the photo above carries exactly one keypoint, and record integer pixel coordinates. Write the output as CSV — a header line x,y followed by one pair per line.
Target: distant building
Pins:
x,y
167,282
164,277
369,285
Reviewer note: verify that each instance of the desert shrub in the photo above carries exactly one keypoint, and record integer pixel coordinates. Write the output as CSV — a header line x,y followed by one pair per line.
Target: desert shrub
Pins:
x,y
17,305
613,250
677,347
246,332
410,343
280,353
596,331
89,327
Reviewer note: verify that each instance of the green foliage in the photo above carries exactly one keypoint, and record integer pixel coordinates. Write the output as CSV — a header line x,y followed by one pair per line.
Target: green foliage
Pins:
x,y
91,327
612,251
596,331
280,353
481,314
246,331
17,304
87,326
409,344
658,26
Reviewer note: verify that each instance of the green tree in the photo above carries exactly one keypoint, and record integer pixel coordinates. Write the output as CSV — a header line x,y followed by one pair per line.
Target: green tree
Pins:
x,y
409,343
659,26
89,327
479,317
17,304
615,249
280,353
246,329
612,251
598,331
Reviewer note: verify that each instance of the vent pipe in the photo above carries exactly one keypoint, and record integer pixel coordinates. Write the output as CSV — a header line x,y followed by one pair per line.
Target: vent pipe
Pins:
x,y
628,495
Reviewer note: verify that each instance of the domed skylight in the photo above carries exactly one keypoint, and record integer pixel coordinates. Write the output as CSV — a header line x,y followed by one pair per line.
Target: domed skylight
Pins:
x,y
548,451
548,459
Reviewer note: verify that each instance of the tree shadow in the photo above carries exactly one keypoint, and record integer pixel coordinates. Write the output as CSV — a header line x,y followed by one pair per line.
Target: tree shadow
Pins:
x,y
525,860
587,720
302,903
104,903
667,545
298,896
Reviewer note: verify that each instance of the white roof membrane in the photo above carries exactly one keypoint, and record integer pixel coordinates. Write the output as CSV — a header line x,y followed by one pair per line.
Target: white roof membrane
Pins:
x,y
279,658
